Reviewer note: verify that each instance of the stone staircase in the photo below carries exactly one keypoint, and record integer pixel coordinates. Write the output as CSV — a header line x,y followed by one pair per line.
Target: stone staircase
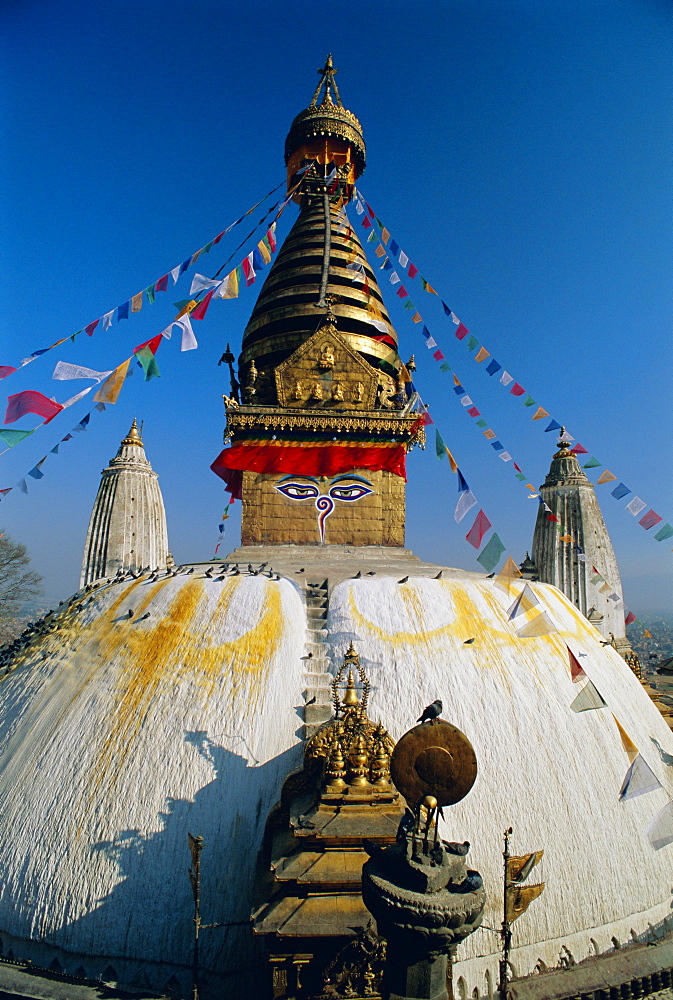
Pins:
x,y
317,678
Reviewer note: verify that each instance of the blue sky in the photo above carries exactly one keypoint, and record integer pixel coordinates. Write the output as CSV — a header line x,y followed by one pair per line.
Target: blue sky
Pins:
x,y
519,153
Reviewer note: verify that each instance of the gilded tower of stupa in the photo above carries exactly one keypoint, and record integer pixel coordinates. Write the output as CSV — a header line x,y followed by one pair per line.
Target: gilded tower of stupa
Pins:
x,y
318,439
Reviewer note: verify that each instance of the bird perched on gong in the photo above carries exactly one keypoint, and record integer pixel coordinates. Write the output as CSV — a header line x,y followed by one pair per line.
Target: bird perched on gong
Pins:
x,y
431,712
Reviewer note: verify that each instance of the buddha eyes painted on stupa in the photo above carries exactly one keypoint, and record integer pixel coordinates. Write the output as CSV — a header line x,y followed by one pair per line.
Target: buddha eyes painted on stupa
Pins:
x,y
346,488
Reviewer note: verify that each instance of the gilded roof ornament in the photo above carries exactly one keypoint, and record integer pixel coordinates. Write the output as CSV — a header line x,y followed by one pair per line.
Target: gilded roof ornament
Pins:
x,y
133,436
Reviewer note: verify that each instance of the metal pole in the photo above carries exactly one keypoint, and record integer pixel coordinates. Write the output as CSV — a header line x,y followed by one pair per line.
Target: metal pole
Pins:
x,y
196,846
506,933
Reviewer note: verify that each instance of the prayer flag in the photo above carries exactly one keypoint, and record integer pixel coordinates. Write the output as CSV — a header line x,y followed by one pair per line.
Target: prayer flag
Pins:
x,y
188,342
403,259
461,331
386,265
554,425
466,499
497,445
200,283
137,302
466,401
162,284
629,746
402,292
23,486
257,259
620,491
540,625
647,634
505,456
31,401
506,378
472,343
248,270
6,370
149,292
264,250
123,311
540,414
481,423
12,437
36,473
660,829
490,555
517,390
482,354
427,286
185,264
529,401
147,362
630,618
565,538
605,477
229,287
175,274
394,248
577,671
394,278
663,533
639,779
152,344
417,318
412,271
366,223
438,356
474,412
90,328
649,520
445,367
492,367
385,236
452,461
579,449
110,389
380,250
63,370
430,343
526,601
446,309
588,698
200,311
509,572
593,463
478,530
440,447
489,434
635,506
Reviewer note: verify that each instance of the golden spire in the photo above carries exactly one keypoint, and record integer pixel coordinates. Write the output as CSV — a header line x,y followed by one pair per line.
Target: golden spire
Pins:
x,y
133,437
327,74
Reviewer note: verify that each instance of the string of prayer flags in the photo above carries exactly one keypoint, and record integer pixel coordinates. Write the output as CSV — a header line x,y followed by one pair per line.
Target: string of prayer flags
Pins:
x,y
639,779
466,499
589,698
630,748
577,671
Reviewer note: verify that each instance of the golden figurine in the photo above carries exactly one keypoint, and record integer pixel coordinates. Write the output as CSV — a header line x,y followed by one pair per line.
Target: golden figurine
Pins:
x,y
297,392
326,359
338,392
316,391
358,392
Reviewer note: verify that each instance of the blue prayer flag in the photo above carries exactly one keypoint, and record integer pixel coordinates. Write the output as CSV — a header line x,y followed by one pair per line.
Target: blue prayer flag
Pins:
x,y
553,426
492,367
448,311
123,311
258,261
394,248
426,332
620,491
497,446
185,264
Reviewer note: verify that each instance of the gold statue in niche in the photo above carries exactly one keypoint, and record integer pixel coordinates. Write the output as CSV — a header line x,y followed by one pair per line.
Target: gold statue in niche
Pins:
x,y
358,392
298,390
326,359
316,391
338,392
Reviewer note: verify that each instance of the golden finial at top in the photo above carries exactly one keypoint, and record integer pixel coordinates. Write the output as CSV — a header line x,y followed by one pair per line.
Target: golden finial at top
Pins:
x,y
327,74
133,437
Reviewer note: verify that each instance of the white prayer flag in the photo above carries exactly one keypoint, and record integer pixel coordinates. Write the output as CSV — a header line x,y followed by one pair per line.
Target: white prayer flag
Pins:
x,y
394,277
466,501
430,343
639,779
505,456
175,274
64,370
188,338
455,319
80,395
466,401
506,378
636,506
200,283
403,259
587,699
107,319
540,625
524,602
660,830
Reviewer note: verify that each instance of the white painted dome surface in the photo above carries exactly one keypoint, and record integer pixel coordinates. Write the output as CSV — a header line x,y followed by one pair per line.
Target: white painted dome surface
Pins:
x,y
552,774
130,734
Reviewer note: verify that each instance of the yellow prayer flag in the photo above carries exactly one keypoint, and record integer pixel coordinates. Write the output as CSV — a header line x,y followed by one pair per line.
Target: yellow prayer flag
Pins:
x,y
456,380
519,898
530,487
417,318
489,434
605,589
519,868
385,235
540,413
187,308
380,251
605,477
482,354
231,287
137,303
452,461
510,571
566,538
112,386
195,257
647,635
264,251
628,744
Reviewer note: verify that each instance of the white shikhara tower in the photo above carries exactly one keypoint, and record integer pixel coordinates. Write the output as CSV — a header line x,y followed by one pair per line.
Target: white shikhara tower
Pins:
x,y
570,496
127,529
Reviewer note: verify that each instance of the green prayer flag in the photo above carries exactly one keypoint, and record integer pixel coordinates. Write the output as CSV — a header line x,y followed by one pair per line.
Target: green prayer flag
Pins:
x,y
440,447
12,437
593,463
208,247
490,555
529,401
409,305
148,362
372,236
472,343
445,366
149,292
663,533
482,423
521,476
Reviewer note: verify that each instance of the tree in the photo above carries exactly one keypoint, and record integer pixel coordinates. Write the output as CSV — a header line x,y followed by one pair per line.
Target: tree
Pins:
x,y
18,583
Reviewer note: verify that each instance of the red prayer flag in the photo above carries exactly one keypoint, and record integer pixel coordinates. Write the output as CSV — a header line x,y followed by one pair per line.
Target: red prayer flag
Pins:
x,y
438,356
153,344
579,449
426,419
478,530
248,271
6,370
552,517
576,669
402,292
412,271
271,237
474,412
31,401
162,284
366,224
370,210
516,467
90,328
630,618
202,307
649,520
517,390
219,236
461,331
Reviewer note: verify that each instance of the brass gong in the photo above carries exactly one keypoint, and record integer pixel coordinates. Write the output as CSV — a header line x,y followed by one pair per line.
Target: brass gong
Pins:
x,y
434,758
